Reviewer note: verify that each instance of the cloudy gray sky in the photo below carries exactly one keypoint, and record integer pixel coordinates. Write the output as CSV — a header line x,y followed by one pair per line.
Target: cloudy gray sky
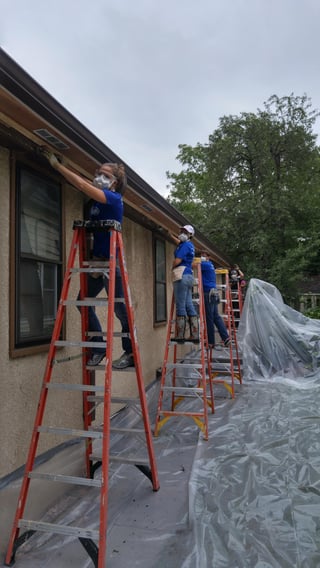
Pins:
x,y
147,75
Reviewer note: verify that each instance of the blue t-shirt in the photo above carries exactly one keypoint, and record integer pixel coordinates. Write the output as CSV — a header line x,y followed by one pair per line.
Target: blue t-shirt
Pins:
x,y
185,251
112,210
208,275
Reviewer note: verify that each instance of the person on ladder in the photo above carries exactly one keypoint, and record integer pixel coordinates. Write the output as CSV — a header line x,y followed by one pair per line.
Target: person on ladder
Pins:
x,y
182,276
211,301
106,191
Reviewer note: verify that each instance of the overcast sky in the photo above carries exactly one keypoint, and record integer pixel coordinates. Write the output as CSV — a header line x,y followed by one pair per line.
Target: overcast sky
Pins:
x,y
147,75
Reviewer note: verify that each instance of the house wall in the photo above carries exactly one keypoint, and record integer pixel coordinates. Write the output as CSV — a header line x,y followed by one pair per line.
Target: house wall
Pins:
x,y
21,377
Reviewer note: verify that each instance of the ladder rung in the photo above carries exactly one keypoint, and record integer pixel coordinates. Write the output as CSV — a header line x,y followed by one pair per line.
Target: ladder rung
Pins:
x,y
59,529
69,432
180,342
128,430
123,399
90,302
179,413
61,343
66,479
183,389
123,430
122,459
171,366
96,263
104,333
115,399
91,270
71,386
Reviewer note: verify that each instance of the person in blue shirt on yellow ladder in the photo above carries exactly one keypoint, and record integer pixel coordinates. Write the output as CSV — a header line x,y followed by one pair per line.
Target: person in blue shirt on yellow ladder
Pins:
x,y
211,301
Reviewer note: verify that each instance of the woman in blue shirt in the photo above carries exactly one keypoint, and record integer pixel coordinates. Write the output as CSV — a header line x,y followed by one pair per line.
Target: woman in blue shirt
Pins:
x,y
106,191
182,287
211,303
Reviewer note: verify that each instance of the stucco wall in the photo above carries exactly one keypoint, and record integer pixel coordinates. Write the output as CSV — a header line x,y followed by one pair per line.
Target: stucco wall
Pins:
x,y
21,377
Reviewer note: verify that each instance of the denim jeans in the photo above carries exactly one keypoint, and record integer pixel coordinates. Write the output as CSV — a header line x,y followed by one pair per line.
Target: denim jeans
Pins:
x,y
183,296
95,286
213,318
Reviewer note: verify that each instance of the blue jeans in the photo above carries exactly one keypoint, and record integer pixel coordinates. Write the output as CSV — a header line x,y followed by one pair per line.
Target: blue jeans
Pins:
x,y
95,286
183,296
213,318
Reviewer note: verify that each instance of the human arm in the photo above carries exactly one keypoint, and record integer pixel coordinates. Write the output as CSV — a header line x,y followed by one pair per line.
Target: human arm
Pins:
x,y
77,181
176,262
175,239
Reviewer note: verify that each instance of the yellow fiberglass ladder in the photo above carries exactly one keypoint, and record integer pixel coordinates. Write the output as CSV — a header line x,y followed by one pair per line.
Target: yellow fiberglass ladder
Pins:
x,y
226,362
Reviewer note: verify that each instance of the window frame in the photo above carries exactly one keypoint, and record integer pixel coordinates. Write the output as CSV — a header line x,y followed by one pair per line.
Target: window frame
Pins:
x,y
20,161
160,322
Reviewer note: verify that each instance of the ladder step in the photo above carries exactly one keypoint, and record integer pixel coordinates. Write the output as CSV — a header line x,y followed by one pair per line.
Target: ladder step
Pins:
x,y
90,302
121,459
66,479
91,270
171,366
70,432
179,413
72,386
115,399
183,389
61,343
123,430
59,529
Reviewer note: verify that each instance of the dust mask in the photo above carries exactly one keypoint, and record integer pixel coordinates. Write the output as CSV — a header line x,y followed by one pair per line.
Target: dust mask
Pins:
x,y
102,182
183,237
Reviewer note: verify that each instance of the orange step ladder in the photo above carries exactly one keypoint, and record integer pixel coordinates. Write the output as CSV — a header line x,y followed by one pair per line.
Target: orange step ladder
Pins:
x,y
226,364
94,541
197,364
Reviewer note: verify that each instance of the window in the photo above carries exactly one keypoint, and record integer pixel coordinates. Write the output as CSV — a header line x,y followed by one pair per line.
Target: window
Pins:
x,y
160,281
38,259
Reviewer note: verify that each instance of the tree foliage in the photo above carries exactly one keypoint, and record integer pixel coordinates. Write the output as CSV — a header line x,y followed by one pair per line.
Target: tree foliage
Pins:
x,y
254,189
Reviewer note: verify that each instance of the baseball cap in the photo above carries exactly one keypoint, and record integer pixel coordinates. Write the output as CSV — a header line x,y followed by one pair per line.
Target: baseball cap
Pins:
x,y
189,229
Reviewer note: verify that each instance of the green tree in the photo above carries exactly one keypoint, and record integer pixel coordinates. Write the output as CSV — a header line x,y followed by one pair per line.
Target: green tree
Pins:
x,y
254,189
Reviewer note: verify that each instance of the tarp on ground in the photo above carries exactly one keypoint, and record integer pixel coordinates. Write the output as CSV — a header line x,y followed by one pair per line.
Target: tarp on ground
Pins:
x,y
249,497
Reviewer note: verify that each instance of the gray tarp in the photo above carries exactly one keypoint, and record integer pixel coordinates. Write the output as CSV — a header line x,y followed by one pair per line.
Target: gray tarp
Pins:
x,y
247,498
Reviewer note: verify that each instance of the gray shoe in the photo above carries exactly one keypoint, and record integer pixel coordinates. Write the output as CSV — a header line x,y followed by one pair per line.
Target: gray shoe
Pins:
x,y
126,360
95,359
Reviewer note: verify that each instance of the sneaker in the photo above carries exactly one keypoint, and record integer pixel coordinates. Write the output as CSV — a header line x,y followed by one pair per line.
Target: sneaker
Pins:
x,y
95,359
126,360
227,342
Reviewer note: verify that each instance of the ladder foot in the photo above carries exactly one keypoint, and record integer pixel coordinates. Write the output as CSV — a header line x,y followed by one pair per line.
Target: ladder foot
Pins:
x,y
146,471
18,542
91,548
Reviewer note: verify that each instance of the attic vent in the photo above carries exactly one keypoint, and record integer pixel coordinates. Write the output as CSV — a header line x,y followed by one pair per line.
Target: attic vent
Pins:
x,y
51,139
146,207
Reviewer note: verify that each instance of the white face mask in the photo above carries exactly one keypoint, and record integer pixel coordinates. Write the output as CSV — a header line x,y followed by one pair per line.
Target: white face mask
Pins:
x,y
102,182
203,258
183,237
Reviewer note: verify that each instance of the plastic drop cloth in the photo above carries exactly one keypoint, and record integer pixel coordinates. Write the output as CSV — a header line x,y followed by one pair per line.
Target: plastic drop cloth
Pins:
x,y
249,497
276,339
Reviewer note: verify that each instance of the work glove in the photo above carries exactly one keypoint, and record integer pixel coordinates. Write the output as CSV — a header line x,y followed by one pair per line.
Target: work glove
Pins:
x,y
51,157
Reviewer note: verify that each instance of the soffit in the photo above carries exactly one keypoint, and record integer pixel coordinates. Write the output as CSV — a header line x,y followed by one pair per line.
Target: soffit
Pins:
x,y
20,118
